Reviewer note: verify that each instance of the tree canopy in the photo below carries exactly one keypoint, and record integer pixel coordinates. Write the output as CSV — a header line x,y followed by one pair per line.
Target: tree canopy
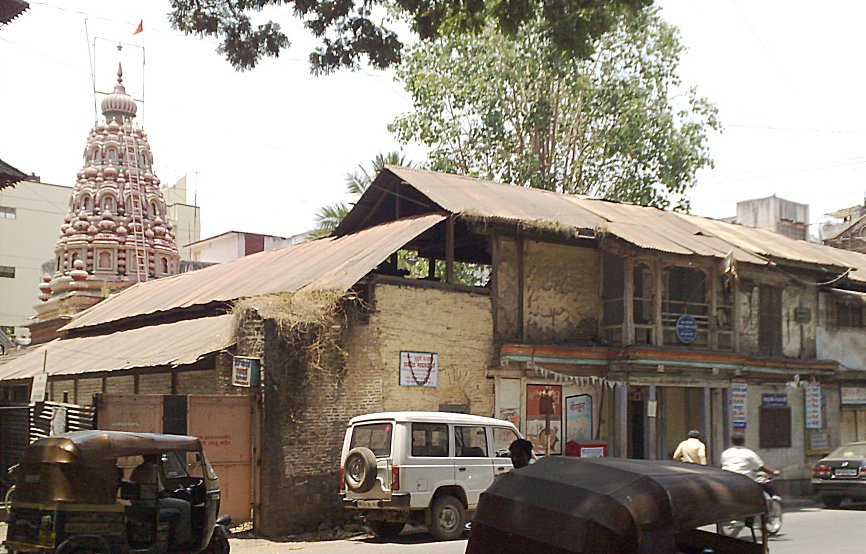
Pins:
x,y
350,31
618,125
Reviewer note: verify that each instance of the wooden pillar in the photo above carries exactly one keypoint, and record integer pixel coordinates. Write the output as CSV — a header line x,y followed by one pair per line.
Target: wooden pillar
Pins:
x,y
449,249
620,421
712,321
706,419
628,302
657,303
718,427
651,447
520,286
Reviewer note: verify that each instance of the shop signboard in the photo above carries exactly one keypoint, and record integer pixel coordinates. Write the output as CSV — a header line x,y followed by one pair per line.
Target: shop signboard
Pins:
x,y
245,371
738,391
853,395
687,329
814,416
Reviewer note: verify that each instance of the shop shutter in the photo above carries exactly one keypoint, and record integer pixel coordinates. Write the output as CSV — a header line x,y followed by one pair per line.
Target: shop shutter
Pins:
x,y
775,427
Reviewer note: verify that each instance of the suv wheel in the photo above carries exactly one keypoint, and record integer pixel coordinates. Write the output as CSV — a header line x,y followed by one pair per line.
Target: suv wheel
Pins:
x,y
386,529
360,469
447,518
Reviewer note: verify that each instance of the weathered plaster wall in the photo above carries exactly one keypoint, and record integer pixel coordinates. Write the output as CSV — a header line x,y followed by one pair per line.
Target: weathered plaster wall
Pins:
x,y
306,410
798,339
507,290
561,293
791,461
846,345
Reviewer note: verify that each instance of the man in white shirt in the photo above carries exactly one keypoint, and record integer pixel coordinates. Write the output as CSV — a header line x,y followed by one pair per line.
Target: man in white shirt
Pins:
x,y
692,450
740,459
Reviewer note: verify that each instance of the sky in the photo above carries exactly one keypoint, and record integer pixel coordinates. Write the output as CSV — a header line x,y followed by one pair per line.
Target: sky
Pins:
x,y
263,150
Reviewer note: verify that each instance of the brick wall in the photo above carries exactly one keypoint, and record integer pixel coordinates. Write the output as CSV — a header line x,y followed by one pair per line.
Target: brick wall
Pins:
x,y
154,383
306,411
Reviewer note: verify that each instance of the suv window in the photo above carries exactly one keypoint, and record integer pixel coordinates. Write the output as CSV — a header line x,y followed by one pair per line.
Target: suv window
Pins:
x,y
430,439
502,439
376,437
470,442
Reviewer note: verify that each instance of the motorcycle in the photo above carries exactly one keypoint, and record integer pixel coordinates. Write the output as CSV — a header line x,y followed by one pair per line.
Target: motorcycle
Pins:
x,y
773,517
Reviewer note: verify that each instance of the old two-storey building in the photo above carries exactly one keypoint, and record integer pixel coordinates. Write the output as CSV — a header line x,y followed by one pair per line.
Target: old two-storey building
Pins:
x,y
588,323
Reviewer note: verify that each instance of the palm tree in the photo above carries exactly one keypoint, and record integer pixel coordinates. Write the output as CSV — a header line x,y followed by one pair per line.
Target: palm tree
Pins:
x,y
328,217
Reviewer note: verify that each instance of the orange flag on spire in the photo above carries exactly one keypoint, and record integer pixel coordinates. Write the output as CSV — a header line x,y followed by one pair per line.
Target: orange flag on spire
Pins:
x,y
140,27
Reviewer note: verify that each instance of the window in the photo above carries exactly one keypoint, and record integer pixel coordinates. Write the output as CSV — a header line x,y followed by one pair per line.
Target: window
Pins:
x,y
769,321
164,264
108,203
430,439
470,442
685,293
849,315
7,272
376,437
775,427
613,291
7,212
104,260
502,439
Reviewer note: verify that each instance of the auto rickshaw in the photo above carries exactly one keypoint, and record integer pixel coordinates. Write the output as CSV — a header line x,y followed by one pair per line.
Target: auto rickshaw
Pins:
x,y
74,495
563,505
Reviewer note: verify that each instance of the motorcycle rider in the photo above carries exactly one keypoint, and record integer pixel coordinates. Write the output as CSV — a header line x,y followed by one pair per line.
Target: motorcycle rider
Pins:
x,y
745,461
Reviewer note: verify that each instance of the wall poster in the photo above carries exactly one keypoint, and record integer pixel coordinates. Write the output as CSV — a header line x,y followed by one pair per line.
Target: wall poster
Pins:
x,y
578,418
739,390
544,418
814,419
419,369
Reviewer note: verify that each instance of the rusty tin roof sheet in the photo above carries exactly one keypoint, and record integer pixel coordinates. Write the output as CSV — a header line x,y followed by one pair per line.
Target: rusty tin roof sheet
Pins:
x,y
649,228
171,344
324,264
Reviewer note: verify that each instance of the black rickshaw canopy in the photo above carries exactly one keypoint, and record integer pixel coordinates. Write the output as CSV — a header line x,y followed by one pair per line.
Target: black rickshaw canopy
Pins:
x,y
563,504
89,447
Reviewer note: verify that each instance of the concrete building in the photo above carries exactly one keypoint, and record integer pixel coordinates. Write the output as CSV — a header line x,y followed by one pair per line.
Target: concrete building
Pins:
x,y
185,217
232,245
31,213
785,217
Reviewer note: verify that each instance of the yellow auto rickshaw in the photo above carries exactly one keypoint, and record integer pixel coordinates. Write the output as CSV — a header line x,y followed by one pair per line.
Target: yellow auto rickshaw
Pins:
x,y
110,492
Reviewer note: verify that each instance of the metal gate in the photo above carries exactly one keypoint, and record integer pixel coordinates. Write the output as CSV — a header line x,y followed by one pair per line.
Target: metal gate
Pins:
x,y
223,423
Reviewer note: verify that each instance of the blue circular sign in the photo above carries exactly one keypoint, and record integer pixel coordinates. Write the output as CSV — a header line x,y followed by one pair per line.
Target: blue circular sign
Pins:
x,y
687,328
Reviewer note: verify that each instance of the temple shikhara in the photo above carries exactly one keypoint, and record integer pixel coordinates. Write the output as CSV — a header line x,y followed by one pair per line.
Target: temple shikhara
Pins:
x,y
116,232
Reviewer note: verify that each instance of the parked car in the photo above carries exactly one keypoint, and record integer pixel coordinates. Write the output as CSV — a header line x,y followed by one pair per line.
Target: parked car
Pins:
x,y
841,475
422,467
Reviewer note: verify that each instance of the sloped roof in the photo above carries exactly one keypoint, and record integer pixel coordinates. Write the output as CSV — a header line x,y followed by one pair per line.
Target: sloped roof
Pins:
x,y
333,263
9,175
645,227
171,344
10,9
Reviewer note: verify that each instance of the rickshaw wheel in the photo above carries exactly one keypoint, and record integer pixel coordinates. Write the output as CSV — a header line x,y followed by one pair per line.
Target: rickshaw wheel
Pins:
x,y
8,499
221,545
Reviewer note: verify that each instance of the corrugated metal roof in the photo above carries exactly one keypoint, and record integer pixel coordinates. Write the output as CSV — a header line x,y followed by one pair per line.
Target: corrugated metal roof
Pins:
x,y
171,344
324,264
649,228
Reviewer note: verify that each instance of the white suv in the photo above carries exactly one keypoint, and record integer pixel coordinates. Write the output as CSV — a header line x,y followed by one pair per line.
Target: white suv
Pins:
x,y
421,467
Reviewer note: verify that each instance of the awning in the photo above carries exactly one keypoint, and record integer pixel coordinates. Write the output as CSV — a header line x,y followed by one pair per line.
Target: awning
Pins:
x,y
171,344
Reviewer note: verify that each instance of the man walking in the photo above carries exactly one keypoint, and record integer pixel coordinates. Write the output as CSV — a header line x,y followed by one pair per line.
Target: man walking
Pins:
x,y
692,450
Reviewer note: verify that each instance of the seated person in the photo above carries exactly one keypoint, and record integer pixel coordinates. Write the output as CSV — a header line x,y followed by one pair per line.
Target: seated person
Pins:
x,y
147,476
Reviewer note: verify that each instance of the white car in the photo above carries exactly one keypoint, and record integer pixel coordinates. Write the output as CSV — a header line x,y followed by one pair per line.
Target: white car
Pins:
x,y
422,467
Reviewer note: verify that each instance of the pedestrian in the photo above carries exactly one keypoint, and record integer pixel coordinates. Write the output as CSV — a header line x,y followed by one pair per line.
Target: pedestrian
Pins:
x,y
520,452
692,450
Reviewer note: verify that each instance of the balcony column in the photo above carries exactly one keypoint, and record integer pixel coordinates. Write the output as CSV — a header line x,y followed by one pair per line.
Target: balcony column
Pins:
x,y
628,302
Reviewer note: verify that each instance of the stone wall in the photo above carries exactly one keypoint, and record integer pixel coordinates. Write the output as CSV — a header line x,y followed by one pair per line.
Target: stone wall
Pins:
x,y
306,410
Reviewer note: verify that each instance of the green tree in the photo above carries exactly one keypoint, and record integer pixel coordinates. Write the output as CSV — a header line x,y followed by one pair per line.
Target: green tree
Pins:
x,y
351,30
328,217
618,125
